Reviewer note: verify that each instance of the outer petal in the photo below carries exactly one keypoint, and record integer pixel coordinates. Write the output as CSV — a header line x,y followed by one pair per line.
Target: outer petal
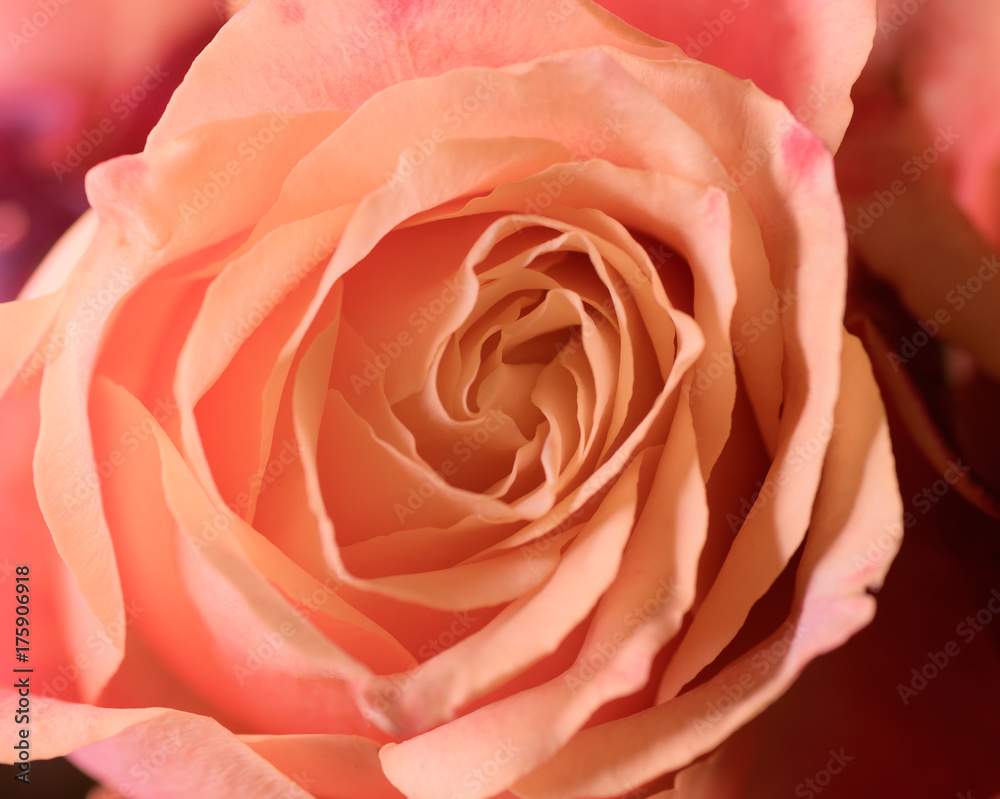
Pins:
x,y
154,753
308,55
60,622
807,53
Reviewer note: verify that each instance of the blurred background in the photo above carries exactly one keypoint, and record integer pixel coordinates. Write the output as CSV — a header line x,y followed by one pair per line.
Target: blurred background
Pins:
x,y
80,82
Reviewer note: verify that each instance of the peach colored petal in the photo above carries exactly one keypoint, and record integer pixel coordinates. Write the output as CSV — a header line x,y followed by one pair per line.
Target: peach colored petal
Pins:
x,y
824,46
446,590
63,458
625,126
144,680
201,188
328,766
221,349
61,625
674,213
29,341
156,753
811,271
345,52
948,55
858,499
659,567
95,286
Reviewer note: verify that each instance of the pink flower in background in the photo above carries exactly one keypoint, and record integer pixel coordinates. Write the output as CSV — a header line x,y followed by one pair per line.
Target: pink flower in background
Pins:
x,y
80,82
920,176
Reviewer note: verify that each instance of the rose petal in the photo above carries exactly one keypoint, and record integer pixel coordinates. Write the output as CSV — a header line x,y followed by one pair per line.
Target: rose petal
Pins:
x,y
62,662
824,46
327,766
153,753
345,52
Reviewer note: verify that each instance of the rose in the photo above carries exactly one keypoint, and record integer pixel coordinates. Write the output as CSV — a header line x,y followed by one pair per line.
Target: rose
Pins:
x,y
290,298
79,83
